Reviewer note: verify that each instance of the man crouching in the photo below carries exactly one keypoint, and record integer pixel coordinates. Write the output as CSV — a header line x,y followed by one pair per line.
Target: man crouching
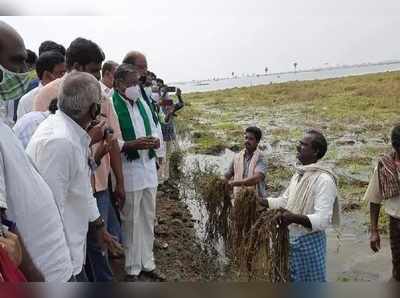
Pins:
x,y
308,206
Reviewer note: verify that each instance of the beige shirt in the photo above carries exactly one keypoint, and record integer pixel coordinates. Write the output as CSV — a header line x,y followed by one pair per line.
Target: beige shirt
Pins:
x,y
45,95
373,195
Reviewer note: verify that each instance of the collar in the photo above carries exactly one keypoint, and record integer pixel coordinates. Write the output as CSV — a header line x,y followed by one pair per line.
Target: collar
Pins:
x,y
78,132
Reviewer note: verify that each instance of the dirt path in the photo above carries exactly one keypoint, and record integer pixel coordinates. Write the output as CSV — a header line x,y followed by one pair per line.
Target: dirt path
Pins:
x,y
178,254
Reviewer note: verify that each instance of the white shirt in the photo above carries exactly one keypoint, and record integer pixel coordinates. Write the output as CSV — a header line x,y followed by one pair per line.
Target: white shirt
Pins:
x,y
162,151
25,104
31,206
324,193
27,125
7,112
141,173
107,92
60,150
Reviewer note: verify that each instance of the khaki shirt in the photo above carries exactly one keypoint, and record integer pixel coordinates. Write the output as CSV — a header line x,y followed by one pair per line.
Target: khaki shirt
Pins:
x,y
373,195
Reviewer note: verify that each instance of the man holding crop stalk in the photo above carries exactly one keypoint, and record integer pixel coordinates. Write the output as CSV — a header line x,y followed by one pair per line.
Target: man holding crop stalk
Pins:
x,y
248,167
308,206
384,188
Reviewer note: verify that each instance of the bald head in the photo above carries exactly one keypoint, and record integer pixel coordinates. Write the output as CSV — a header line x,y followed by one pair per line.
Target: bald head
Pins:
x,y
12,49
138,60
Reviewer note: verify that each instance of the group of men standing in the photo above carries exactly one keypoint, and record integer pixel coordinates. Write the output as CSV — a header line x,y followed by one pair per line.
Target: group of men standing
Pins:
x,y
79,142
56,195
310,204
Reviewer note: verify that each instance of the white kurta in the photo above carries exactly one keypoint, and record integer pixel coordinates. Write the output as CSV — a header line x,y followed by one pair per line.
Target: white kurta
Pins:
x,y
31,205
60,150
324,193
138,214
141,173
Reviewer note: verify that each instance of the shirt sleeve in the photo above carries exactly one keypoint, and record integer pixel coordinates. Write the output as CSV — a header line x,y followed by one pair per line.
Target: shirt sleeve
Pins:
x,y
325,193
46,94
373,194
3,191
162,151
93,209
261,166
112,121
279,202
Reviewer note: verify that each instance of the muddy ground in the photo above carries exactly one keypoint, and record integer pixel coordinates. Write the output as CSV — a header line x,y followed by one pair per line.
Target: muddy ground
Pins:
x,y
178,253
356,115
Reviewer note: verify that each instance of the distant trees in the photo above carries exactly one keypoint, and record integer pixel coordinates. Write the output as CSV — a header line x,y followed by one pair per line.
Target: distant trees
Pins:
x,y
295,66
266,70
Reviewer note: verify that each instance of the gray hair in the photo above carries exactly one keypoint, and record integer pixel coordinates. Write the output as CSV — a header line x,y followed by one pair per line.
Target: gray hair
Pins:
x,y
123,70
78,92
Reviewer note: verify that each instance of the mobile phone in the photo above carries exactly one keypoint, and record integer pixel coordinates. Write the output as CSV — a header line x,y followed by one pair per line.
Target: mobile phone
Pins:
x,y
171,89
108,131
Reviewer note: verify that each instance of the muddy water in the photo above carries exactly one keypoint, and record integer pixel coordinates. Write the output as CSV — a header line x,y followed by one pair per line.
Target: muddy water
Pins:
x,y
349,255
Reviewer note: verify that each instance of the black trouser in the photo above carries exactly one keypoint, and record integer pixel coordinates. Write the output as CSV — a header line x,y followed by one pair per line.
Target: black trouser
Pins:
x,y
395,245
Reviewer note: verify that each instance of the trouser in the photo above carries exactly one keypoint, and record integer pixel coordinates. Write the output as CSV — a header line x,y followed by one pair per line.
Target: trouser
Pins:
x,y
138,217
114,222
81,277
97,266
395,246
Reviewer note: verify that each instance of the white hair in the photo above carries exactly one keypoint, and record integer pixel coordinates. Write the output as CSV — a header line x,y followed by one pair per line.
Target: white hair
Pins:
x,y
78,92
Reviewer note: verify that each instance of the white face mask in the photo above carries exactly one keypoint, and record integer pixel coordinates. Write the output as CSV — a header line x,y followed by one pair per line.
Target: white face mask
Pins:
x,y
13,85
133,93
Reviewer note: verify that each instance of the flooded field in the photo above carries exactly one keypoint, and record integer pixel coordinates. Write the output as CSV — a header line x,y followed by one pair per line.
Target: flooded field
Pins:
x,y
356,115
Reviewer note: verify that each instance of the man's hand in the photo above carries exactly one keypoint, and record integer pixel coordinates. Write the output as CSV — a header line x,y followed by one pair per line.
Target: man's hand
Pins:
x,y
156,143
375,241
96,131
119,195
102,149
111,244
12,246
143,143
178,92
284,217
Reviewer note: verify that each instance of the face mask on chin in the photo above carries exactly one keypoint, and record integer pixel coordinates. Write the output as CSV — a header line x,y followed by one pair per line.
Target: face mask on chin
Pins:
x,y
132,93
13,85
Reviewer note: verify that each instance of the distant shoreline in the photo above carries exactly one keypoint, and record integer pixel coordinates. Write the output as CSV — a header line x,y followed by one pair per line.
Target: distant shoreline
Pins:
x,y
330,68
282,77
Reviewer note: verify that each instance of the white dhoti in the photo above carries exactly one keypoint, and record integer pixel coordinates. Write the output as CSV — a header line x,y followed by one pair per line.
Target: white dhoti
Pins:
x,y
138,216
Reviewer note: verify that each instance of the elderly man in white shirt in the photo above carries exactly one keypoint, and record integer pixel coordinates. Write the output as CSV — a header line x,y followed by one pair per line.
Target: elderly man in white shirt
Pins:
x,y
24,194
310,204
50,66
60,150
140,174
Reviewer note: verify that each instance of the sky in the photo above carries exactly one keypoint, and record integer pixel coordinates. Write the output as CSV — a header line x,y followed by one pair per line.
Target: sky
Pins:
x,y
193,40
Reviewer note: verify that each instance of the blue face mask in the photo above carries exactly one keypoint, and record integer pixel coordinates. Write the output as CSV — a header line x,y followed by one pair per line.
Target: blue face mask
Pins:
x,y
13,85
